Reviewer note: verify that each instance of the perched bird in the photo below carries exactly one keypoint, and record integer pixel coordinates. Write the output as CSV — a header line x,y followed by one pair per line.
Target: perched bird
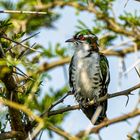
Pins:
x,y
89,73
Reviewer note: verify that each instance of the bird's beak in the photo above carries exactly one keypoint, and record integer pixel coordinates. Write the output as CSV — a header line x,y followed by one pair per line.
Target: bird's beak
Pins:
x,y
70,40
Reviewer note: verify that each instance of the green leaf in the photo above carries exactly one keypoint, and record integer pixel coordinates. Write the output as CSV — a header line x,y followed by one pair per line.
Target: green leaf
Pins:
x,y
18,35
59,50
130,19
81,25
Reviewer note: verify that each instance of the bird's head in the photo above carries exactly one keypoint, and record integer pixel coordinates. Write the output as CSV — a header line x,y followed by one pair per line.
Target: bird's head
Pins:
x,y
86,39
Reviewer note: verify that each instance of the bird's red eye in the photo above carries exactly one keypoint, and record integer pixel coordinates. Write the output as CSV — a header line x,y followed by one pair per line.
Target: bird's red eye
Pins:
x,y
81,37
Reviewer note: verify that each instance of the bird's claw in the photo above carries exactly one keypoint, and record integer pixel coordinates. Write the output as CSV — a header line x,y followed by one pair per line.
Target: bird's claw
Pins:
x,y
95,99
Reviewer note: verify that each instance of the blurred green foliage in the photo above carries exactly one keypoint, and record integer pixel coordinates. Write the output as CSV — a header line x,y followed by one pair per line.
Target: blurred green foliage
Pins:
x,y
26,62
131,19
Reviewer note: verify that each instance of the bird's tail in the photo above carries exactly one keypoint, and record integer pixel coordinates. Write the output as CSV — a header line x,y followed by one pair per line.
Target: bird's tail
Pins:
x,y
96,113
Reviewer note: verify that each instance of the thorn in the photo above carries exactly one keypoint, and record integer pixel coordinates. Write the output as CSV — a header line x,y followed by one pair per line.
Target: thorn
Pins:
x,y
127,100
126,3
128,122
137,71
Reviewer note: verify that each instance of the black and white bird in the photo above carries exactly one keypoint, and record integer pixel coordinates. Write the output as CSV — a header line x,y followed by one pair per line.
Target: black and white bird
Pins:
x,y
89,74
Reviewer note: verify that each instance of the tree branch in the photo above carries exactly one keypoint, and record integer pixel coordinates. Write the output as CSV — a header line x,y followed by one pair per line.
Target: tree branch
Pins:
x,y
105,123
10,135
60,101
108,96
110,21
21,107
62,133
18,43
51,65
10,84
60,111
24,12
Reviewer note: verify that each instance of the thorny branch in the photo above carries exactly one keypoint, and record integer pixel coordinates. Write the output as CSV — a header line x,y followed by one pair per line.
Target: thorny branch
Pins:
x,y
70,108
108,96
96,129
59,101
111,25
134,113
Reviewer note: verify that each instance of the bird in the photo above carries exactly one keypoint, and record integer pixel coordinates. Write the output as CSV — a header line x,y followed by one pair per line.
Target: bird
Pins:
x,y
89,74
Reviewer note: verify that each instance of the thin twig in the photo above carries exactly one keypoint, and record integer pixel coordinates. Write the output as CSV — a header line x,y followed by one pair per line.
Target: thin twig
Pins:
x,y
138,72
23,45
60,101
21,72
30,37
131,67
23,41
24,52
24,12
55,104
126,3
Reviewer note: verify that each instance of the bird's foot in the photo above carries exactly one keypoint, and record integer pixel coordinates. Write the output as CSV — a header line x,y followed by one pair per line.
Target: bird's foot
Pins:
x,y
80,105
95,99
83,103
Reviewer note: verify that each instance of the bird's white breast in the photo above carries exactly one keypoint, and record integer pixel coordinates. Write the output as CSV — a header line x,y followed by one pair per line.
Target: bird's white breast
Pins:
x,y
86,69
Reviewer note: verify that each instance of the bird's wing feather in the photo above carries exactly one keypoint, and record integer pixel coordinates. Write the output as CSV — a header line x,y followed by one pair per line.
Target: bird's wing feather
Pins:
x,y
71,72
104,66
